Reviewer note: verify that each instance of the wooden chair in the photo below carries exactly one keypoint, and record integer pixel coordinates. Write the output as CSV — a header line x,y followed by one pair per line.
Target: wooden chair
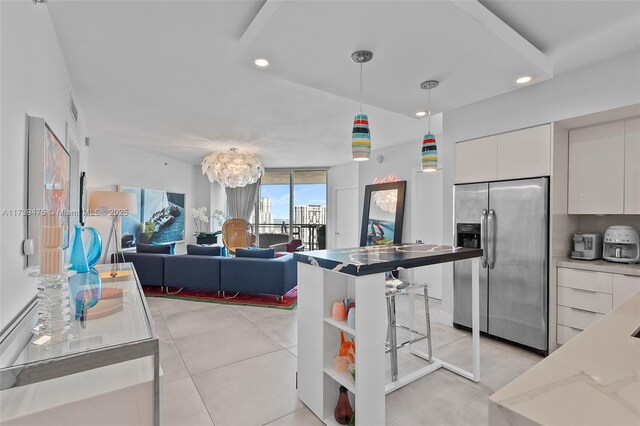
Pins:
x,y
236,233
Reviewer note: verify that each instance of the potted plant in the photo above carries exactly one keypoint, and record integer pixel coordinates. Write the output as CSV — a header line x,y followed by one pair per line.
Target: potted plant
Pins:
x,y
201,219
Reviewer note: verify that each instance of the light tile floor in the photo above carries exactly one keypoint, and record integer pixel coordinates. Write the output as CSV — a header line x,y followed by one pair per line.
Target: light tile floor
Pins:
x,y
235,365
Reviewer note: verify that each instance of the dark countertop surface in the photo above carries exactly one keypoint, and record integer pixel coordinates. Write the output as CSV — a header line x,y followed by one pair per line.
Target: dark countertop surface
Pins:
x,y
376,259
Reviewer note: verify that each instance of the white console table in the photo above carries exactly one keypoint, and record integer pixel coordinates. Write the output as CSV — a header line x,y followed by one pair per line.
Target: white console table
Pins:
x,y
106,372
327,276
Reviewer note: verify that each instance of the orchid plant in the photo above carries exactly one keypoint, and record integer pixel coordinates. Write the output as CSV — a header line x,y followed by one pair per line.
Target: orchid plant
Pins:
x,y
202,218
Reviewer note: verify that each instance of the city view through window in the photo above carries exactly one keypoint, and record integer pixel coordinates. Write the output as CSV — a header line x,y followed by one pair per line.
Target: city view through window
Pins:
x,y
296,215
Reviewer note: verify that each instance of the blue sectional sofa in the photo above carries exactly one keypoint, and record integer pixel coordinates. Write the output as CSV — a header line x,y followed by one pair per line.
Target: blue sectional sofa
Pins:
x,y
231,274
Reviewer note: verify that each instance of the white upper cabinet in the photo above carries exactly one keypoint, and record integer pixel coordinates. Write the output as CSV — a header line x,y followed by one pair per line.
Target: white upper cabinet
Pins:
x,y
476,160
632,166
596,169
520,154
525,153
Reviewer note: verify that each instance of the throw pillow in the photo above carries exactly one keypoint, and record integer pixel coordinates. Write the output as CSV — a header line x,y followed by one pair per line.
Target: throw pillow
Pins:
x,y
153,248
172,245
256,253
203,250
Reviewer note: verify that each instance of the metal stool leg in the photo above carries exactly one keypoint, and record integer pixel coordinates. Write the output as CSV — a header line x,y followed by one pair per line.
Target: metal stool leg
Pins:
x,y
393,341
412,315
428,318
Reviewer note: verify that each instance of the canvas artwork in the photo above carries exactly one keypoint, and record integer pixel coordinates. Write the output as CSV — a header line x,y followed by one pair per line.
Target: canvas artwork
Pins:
x,y
382,217
160,218
383,212
57,166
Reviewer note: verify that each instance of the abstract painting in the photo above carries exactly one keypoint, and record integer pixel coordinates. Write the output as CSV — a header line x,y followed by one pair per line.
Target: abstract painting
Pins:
x,y
57,166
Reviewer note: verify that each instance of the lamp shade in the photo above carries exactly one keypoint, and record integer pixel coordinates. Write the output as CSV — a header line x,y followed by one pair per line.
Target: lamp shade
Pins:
x,y
361,138
429,153
112,203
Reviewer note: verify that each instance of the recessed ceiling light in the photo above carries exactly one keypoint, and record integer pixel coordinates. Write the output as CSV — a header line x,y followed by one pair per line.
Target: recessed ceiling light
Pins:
x,y
524,79
261,62
421,114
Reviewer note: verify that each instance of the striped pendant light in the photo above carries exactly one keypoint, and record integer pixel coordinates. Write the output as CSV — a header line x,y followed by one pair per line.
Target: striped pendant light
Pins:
x,y
361,136
429,154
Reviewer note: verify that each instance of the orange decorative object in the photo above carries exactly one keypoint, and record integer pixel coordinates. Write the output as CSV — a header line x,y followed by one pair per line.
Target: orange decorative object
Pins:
x,y
339,312
346,353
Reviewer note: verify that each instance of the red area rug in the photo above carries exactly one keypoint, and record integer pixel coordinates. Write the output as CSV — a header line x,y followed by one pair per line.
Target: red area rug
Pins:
x,y
248,299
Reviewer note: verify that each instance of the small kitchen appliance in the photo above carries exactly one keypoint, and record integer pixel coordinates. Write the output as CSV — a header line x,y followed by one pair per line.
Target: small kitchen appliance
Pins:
x,y
621,244
587,246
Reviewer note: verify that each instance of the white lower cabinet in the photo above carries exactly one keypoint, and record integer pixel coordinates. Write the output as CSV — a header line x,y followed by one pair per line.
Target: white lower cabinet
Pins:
x,y
566,333
586,296
624,286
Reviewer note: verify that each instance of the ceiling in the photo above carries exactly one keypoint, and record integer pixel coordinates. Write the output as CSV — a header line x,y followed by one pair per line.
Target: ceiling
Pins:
x,y
177,77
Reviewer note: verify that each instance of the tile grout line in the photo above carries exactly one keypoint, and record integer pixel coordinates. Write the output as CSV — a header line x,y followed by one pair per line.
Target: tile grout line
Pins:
x,y
281,417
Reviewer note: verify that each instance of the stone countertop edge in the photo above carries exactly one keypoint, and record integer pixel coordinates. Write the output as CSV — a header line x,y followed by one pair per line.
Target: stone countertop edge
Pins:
x,y
321,259
600,266
594,379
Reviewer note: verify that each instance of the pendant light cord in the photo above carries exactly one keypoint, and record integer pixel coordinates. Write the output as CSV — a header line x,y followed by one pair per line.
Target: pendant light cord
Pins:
x,y
429,110
360,87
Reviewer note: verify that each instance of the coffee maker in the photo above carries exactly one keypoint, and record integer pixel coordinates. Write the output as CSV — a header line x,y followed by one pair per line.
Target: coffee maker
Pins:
x,y
621,244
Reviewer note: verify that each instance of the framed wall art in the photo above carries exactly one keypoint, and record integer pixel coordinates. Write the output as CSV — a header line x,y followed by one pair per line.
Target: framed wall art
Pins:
x,y
48,180
382,215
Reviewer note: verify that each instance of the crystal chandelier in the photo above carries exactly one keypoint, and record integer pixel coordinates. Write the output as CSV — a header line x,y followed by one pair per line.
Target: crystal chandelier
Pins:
x,y
232,169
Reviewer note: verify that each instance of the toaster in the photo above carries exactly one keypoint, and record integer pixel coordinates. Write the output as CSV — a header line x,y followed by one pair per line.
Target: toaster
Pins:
x,y
587,246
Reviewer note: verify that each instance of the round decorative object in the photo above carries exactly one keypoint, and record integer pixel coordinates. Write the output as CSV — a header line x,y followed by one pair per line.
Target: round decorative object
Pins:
x,y
232,169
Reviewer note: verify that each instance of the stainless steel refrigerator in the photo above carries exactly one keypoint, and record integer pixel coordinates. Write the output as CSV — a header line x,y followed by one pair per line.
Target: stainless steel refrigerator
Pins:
x,y
510,221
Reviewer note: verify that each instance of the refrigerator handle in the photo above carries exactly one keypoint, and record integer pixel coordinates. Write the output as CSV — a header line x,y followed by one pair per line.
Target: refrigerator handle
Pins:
x,y
483,238
491,239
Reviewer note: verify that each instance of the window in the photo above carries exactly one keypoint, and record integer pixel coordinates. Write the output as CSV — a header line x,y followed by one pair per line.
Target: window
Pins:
x,y
293,203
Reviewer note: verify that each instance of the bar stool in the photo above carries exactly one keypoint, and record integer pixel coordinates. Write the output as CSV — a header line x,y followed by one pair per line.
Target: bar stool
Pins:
x,y
393,288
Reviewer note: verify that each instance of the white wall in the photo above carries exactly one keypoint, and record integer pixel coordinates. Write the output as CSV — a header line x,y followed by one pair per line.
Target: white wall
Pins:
x,y
33,81
113,164
217,201
608,85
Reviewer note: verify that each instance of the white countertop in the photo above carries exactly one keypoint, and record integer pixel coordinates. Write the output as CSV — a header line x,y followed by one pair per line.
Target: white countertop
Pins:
x,y
594,379
600,266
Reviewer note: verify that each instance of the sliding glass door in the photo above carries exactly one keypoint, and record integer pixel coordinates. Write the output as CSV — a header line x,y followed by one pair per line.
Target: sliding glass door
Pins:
x,y
292,204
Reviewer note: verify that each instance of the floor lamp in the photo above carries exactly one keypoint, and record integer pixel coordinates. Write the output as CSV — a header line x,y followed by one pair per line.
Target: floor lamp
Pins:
x,y
114,204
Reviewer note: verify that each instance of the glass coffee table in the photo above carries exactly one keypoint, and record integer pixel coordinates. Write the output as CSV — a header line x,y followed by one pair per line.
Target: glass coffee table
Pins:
x,y
108,368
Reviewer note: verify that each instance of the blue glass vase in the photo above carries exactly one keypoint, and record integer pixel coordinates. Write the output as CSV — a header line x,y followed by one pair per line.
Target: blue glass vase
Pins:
x,y
80,260
86,290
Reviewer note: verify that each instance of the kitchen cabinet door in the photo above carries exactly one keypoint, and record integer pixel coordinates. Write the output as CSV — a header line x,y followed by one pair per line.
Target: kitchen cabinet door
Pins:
x,y
596,169
624,286
632,166
525,153
476,160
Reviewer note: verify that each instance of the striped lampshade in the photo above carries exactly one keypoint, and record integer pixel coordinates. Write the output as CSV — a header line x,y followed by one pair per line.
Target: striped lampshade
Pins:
x,y
429,153
361,138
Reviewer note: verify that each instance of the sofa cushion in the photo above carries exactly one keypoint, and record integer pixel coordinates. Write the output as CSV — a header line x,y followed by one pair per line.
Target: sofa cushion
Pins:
x,y
172,245
153,248
256,253
192,271
194,249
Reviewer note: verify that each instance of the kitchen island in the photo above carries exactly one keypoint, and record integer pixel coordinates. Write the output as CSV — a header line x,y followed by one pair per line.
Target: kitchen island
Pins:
x,y
594,379
328,276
